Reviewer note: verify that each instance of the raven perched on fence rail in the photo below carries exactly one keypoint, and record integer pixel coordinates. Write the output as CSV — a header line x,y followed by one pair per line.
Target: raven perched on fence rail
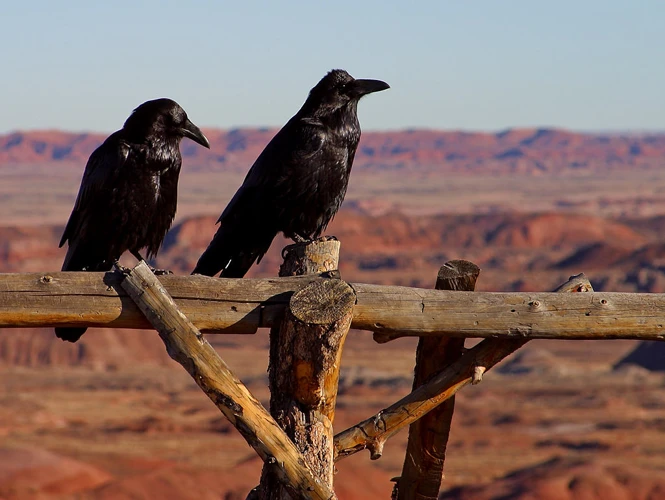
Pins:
x,y
298,182
128,194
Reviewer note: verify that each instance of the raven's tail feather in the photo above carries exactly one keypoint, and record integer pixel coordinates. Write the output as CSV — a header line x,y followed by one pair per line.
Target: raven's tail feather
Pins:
x,y
232,254
78,259
69,334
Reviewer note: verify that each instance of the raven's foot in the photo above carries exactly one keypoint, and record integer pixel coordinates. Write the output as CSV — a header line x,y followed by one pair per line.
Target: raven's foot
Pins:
x,y
155,271
120,268
301,239
327,238
334,274
286,250
160,272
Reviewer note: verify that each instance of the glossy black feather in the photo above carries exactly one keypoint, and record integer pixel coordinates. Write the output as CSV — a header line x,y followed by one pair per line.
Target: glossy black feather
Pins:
x,y
297,183
128,194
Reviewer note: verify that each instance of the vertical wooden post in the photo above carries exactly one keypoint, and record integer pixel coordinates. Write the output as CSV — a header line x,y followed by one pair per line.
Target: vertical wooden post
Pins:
x,y
428,437
305,354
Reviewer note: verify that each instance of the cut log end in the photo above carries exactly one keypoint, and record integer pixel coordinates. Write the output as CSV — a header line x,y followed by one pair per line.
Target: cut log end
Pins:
x,y
337,296
576,284
457,275
376,449
477,377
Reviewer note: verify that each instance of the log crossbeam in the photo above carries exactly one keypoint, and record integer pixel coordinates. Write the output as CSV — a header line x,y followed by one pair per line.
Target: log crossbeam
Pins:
x,y
218,305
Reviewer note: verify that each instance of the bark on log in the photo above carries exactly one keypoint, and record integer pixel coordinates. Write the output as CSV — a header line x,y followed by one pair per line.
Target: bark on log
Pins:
x,y
305,353
422,471
187,346
372,433
315,257
243,305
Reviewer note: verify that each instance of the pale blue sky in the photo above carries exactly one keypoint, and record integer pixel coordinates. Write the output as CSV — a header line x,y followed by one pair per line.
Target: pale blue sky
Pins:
x,y
470,64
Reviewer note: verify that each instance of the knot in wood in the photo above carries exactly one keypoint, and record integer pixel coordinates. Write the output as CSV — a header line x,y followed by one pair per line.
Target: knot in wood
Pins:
x,y
322,302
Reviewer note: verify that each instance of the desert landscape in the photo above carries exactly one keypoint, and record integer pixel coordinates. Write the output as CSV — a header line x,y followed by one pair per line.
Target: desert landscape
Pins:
x,y
114,417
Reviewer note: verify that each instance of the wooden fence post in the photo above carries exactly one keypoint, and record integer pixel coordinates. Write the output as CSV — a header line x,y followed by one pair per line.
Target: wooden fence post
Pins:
x,y
305,354
428,437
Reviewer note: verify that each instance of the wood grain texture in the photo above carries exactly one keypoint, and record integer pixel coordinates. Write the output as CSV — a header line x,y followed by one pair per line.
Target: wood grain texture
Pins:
x,y
422,471
186,345
372,433
242,305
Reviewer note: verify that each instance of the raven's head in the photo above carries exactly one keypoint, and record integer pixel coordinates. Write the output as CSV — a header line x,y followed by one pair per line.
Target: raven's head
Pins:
x,y
338,88
163,118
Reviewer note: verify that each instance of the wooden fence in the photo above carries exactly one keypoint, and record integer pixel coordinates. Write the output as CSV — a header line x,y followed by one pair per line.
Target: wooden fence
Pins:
x,y
310,311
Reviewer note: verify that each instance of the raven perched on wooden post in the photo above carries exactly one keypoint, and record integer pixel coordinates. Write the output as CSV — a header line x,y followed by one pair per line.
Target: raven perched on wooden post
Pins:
x,y
128,194
298,182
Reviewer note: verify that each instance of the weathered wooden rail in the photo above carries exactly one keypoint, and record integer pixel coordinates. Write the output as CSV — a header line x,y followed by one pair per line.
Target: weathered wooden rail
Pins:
x,y
217,305
310,316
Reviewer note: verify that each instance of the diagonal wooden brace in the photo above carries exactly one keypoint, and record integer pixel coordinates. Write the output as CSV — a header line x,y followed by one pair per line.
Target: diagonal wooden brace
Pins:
x,y
186,345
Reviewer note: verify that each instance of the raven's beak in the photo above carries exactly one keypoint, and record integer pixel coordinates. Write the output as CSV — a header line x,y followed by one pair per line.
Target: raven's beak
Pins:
x,y
360,88
194,133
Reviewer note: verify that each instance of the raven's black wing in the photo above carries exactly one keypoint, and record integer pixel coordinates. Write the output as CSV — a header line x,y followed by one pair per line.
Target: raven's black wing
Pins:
x,y
102,168
250,221
275,168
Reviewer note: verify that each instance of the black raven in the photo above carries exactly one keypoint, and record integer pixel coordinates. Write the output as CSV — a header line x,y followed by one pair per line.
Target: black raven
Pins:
x,y
128,194
298,182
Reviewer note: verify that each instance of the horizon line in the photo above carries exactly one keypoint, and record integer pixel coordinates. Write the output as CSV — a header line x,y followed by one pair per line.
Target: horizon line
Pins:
x,y
611,131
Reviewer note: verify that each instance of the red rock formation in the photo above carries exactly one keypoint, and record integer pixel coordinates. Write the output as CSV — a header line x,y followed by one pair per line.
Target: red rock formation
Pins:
x,y
530,151
33,473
